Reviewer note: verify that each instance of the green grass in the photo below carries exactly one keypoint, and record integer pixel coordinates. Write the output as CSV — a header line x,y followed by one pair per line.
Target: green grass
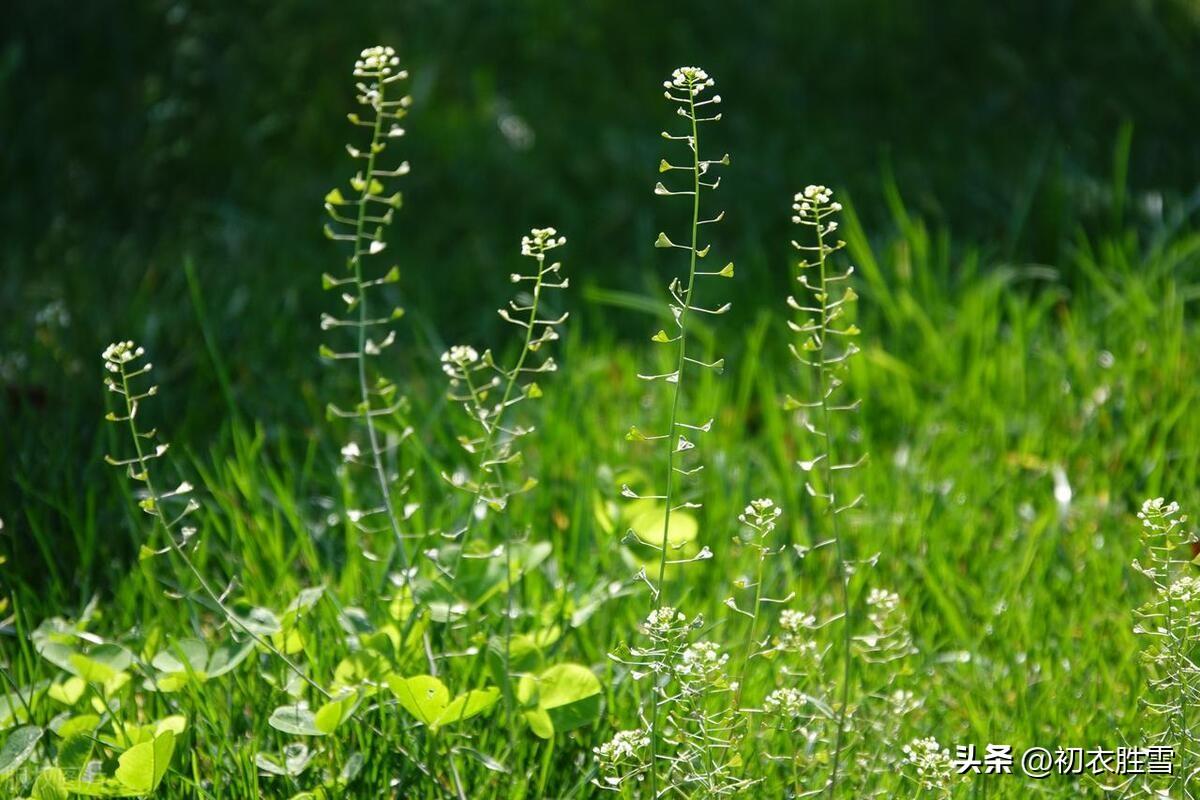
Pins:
x,y
981,382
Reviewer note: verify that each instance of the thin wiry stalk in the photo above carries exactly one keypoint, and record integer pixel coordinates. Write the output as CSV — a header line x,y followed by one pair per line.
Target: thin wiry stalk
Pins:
x,y
761,517
377,66
691,81
839,545
460,362
118,358
813,208
497,446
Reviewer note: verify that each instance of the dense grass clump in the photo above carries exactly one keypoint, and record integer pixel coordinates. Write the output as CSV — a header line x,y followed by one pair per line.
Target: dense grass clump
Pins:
x,y
887,521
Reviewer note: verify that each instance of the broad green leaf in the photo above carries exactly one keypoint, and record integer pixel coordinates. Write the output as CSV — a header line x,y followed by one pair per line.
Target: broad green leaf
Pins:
x,y
76,750
423,696
226,657
540,723
81,724
69,691
260,622
297,720
141,768
176,724
568,694
19,747
648,525
334,713
182,655
101,664
104,787
302,603
467,705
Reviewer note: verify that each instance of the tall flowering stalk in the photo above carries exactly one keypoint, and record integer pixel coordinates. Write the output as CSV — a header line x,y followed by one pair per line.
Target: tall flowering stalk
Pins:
x,y
360,222
760,518
475,382
686,89
1170,621
825,349
127,376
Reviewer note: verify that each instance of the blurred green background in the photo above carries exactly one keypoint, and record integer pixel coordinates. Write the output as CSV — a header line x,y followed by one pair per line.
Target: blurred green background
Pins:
x,y
163,166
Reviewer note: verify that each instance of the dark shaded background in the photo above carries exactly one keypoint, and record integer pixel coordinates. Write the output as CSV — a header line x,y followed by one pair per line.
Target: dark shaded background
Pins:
x,y
137,129
138,137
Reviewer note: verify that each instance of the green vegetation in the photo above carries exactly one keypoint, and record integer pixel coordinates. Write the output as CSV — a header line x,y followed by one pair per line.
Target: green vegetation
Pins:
x,y
884,512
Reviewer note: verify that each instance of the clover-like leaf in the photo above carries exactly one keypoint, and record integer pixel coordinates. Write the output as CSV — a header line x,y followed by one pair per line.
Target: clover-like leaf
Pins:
x,y
562,698
141,768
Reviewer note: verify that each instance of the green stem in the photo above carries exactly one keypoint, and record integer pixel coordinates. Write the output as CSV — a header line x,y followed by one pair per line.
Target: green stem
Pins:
x,y
363,386
156,504
676,394
758,579
492,427
839,546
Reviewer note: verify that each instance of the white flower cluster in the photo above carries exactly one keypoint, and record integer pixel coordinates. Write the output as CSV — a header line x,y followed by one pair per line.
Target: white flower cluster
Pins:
x,y
932,762
904,702
119,353
622,755
623,746
1155,509
666,620
794,637
813,204
761,514
458,358
539,240
889,638
785,703
376,62
1185,589
691,79
882,602
701,661
795,621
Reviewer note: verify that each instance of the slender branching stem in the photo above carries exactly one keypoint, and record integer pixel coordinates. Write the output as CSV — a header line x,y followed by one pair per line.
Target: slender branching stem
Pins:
x,y
492,426
676,395
843,576
155,507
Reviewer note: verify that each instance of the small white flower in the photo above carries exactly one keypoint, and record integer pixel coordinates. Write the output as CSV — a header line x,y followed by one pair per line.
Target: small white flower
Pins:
x,y
795,621
702,661
376,62
883,601
693,80
785,703
541,240
622,748
458,358
933,764
665,620
119,353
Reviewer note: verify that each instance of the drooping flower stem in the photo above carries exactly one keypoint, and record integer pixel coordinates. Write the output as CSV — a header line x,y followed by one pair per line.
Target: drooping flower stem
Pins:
x,y
118,358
